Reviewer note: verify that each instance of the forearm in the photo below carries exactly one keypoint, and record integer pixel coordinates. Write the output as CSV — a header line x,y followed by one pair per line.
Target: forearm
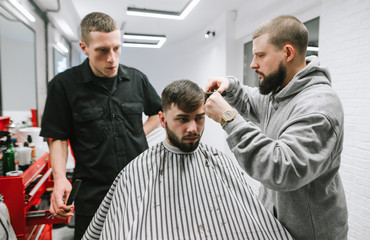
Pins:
x,y
244,99
150,124
58,158
62,187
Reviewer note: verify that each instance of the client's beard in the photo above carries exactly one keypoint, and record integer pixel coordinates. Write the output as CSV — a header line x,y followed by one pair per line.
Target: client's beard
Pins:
x,y
186,147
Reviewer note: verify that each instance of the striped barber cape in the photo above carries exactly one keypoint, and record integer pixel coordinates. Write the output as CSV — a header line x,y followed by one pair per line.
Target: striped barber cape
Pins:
x,y
165,193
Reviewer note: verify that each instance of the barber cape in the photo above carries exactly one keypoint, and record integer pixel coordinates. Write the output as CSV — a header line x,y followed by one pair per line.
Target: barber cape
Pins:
x,y
166,193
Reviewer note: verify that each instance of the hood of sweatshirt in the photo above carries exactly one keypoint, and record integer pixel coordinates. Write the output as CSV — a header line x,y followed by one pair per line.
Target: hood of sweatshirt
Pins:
x,y
312,74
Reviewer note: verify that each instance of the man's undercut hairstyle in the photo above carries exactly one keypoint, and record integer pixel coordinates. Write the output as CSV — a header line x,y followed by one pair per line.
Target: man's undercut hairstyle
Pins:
x,y
284,30
184,94
96,22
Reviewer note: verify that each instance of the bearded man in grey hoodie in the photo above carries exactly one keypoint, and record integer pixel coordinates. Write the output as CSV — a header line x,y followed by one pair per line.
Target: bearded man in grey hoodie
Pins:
x,y
288,133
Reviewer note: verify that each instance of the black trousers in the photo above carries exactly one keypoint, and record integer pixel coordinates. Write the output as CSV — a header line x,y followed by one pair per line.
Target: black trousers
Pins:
x,y
81,224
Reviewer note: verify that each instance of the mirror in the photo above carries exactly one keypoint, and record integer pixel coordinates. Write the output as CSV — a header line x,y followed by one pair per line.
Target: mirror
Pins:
x,y
17,68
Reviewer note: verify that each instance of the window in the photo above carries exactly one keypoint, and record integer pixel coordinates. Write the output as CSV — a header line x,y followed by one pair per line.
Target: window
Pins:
x,y
60,62
313,36
250,77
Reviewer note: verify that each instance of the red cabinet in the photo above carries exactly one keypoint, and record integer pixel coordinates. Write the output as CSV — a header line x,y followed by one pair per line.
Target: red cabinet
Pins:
x,y
29,224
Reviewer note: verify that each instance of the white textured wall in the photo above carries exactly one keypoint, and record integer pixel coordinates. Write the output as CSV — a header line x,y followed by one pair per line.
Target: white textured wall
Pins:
x,y
345,49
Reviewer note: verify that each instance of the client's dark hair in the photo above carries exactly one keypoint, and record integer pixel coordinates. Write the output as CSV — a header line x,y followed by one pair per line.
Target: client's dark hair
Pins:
x,y
185,94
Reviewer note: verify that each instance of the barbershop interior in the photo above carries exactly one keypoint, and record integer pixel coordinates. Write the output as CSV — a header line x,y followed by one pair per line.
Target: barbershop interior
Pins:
x,y
167,40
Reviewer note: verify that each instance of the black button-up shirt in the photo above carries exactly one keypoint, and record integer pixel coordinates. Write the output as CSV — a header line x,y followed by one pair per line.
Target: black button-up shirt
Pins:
x,y
104,126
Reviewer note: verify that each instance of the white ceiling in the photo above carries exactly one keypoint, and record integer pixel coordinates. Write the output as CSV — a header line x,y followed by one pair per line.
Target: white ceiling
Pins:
x,y
175,30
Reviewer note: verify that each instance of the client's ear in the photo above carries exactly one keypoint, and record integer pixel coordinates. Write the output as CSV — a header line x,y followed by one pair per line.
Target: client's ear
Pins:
x,y
162,119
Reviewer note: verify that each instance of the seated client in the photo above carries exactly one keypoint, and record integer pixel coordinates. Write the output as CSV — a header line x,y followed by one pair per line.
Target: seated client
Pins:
x,y
181,188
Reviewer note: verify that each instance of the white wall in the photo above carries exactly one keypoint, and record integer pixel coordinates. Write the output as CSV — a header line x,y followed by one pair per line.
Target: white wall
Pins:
x,y
344,43
345,49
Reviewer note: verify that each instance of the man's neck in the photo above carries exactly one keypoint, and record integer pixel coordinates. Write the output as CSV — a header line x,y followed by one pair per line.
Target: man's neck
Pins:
x,y
292,71
175,149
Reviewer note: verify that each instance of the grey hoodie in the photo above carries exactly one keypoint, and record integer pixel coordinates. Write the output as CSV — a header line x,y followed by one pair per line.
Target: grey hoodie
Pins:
x,y
291,142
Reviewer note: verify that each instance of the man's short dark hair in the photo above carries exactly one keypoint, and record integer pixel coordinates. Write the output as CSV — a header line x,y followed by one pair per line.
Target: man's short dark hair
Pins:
x,y
185,94
96,22
285,29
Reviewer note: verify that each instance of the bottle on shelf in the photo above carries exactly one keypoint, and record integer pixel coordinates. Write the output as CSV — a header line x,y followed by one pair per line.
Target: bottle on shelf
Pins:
x,y
33,147
1,164
8,156
24,156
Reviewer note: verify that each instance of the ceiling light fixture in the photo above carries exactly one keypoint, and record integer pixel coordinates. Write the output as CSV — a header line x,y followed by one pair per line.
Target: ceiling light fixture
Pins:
x,y
313,49
143,12
21,9
210,33
64,27
62,48
144,40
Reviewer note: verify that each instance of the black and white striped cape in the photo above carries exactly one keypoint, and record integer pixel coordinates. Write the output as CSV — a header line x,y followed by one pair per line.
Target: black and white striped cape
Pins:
x,y
168,194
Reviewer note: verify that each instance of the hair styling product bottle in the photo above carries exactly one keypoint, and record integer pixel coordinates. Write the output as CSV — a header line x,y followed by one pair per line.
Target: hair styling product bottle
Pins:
x,y
8,156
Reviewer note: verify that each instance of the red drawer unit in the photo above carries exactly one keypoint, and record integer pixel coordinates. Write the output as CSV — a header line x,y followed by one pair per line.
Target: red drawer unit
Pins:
x,y
29,224
4,123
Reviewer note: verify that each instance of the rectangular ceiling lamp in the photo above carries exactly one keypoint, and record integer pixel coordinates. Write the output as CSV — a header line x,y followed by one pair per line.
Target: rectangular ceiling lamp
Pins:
x,y
313,49
143,12
61,47
64,27
21,9
144,40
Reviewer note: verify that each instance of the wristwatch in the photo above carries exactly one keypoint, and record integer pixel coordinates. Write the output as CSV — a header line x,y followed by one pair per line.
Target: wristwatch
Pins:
x,y
228,116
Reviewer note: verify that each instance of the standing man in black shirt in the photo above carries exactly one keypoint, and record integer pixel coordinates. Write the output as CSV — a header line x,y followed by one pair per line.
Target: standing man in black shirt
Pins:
x,y
98,107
